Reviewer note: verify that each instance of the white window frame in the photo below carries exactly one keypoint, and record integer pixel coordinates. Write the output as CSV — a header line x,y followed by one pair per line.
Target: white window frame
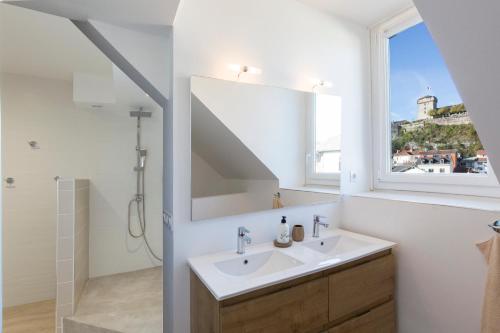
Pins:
x,y
383,177
312,177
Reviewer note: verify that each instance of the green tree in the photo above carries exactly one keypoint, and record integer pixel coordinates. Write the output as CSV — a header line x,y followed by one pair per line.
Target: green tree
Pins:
x,y
463,138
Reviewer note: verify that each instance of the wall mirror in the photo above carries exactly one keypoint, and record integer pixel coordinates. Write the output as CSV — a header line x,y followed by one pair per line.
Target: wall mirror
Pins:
x,y
256,147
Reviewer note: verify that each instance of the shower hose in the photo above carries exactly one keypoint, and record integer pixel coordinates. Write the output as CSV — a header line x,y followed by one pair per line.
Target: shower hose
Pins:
x,y
141,214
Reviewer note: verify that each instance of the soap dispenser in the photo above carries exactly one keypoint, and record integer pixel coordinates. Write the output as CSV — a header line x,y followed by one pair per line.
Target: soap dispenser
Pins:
x,y
283,236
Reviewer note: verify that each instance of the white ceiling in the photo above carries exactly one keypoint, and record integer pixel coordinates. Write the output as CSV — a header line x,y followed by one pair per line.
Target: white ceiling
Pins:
x,y
148,12
42,45
162,12
364,12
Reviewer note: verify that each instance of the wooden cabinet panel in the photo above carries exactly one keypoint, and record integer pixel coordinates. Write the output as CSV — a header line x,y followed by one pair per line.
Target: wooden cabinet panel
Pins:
x,y
303,308
378,320
204,308
361,287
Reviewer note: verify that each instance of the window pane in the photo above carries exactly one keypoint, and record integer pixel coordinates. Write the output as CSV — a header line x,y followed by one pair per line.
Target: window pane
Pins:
x,y
430,128
327,134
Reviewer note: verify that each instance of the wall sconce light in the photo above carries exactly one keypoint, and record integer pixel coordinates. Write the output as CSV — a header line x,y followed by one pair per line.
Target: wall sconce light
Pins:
x,y
241,69
317,83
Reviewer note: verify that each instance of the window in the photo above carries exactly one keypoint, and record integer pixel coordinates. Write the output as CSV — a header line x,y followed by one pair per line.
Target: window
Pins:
x,y
421,125
324,156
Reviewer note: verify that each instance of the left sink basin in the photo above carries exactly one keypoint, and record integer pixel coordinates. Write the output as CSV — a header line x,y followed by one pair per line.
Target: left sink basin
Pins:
x,y
258,264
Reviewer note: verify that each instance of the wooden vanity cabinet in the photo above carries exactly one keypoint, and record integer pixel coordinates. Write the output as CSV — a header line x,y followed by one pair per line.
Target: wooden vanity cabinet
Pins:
x,y
355,297
361,287
301,308
377,320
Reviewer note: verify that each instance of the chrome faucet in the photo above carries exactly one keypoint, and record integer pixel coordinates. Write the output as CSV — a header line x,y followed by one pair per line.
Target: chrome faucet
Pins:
x,y
243,239
317,223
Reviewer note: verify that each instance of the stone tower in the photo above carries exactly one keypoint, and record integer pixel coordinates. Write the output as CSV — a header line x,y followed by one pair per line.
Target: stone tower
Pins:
x,y
425,105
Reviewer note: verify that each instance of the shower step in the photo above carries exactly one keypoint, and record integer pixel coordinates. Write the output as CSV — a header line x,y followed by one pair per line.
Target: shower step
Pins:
x,y
73,326
122,303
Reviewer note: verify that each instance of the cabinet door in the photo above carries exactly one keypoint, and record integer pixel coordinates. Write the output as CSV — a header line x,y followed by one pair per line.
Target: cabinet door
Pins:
x,y
303,308
378,320
361,287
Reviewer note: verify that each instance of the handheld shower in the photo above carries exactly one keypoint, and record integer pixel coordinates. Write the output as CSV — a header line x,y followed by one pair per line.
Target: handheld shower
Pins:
x,y
139,197
142,160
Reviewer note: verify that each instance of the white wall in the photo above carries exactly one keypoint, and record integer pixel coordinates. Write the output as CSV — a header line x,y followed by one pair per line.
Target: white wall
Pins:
x,y
291,43
206,181
41,110
2,148
99,145
440,272
147,48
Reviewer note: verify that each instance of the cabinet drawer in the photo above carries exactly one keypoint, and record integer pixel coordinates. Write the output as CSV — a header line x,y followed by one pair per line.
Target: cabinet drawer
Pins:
x,y
360,287
378,320
303,308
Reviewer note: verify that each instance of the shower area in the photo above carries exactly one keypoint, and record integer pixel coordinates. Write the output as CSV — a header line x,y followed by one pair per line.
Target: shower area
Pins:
x,y
123,302
82,170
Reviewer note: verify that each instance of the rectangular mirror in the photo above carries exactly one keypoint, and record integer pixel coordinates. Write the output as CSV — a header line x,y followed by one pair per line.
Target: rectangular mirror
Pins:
x,y
256,147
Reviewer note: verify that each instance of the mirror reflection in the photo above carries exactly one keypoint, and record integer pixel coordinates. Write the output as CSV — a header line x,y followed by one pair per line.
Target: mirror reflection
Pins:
x,y
256,147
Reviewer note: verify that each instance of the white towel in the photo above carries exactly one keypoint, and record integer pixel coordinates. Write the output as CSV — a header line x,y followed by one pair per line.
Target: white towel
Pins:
x,y
490,322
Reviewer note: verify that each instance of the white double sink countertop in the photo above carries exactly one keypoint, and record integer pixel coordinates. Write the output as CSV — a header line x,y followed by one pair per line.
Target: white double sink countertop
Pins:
x,y
228,274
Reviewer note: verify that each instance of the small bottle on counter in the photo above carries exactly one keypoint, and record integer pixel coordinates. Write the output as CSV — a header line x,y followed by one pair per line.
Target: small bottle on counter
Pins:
x,y
283,236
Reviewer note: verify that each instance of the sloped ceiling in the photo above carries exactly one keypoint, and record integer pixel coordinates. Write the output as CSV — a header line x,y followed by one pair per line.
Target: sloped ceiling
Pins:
x,y
42,45
61,50
146,12
467,35
219,147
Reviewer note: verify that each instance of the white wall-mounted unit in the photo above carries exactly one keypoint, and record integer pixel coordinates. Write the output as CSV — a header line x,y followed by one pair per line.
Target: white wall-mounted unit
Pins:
x,y
93,91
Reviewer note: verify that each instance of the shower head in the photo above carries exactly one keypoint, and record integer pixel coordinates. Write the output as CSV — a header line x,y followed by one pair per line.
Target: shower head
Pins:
x,y
140,113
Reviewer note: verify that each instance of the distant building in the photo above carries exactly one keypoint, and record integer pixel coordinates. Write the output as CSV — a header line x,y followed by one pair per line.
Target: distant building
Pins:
x,y
475,164
433,161
481,154
439,161
396,127
404,157
482,160
425,105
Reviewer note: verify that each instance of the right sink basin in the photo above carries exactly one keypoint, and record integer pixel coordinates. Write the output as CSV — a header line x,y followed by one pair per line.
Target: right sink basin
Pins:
x,y
337,245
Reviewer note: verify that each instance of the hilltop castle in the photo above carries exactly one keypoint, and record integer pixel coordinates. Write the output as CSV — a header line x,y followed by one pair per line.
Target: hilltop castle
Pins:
x,y
425,105
428,112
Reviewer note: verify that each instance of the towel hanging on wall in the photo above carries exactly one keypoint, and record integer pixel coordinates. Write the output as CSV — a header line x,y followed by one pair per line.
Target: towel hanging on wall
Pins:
x,y
490,322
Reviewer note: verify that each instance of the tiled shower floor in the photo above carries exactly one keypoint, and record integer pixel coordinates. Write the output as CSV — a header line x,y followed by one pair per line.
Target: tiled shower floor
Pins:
x,y
127,303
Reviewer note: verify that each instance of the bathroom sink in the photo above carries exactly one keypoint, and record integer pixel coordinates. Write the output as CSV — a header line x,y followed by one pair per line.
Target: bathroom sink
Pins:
x,y
259,264
337,245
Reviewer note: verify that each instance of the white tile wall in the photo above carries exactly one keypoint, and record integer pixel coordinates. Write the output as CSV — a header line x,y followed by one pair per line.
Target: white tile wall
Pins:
x,y
65,293
81,244
64,271
72,254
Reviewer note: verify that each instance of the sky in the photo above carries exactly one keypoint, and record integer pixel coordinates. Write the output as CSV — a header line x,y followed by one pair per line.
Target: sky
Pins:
x,y
415,66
